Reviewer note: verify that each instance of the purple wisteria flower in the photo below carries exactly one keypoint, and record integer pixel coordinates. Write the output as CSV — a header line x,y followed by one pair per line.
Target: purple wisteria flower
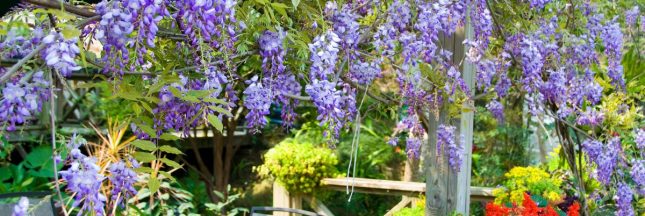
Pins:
x,y
147,14
23,98
272,53
608,159
21,208
612,39
590,117
60,53
173,113
346,27
593,148
329,102
631,16
446,142
258,101
83,179
497,109
413,146
122,179
113,32
623,198
638,172
538,4
363,72
324,53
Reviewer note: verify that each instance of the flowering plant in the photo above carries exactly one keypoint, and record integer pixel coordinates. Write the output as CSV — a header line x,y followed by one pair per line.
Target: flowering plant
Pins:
x,y
533,180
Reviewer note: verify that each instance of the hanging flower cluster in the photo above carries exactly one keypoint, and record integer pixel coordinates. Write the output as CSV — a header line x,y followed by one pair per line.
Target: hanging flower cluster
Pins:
x,y
84,179
22,99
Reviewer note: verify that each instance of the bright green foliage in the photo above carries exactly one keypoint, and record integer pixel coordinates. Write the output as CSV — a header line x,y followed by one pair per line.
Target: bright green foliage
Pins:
x,y
528,179
299,167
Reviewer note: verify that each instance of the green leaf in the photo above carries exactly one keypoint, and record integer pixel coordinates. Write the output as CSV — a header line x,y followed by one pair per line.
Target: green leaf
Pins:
x,y
153,184
215,100
171,163
215,122
143,170
167,175
144,145
6,173
295,3
175,91
199,93
168,136
280,8
38,157
170,149
148,130
70,32
221,110
144,157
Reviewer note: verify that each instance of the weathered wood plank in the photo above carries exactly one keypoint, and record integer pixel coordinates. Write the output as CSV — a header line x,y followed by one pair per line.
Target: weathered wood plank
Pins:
x,y
318,206
282,198
466,127
394,188
404,203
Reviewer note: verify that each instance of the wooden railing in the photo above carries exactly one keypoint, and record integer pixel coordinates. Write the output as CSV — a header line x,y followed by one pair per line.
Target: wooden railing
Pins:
x,y
409,191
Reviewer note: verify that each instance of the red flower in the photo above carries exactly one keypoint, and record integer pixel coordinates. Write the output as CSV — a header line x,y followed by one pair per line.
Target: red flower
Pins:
x,y
550,212
574,210
495,210
530,207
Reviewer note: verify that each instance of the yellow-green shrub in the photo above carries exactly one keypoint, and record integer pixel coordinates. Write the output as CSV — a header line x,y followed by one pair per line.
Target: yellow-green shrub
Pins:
x,y
528,179
299,167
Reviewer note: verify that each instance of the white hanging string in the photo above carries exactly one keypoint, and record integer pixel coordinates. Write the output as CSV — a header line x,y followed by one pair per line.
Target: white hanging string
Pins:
x,y
353,155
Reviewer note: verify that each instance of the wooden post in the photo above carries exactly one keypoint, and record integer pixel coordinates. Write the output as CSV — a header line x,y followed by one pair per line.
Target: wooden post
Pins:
x,y
466,131
440,180
282,198
447,191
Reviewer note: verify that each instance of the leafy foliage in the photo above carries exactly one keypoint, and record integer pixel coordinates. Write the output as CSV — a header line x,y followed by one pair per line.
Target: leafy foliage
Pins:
x,y
299,167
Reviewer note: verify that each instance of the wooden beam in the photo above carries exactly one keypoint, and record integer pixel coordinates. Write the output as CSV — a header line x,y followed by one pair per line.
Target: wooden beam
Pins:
x,y
466,128
404,203
394,188
318,206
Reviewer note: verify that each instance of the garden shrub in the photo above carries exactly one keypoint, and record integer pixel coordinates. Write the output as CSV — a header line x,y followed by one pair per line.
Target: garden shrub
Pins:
x,y
299,167
528,179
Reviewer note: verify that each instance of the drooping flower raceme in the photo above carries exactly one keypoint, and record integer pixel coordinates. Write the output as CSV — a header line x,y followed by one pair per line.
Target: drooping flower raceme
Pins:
x,y
638,172
497,109
608,160
22,98
623,198
258,101
122,179
60,53
324,54
328,100
113,32
84,179
593,148
612,39
147,14
447,143
207,23
20,209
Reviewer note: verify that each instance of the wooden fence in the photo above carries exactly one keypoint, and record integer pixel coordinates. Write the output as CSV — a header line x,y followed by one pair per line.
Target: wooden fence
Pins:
x,y
410,191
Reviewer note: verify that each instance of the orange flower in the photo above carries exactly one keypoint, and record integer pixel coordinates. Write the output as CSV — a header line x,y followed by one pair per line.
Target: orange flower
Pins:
x,y
550,212
574,210
530,207
496,210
